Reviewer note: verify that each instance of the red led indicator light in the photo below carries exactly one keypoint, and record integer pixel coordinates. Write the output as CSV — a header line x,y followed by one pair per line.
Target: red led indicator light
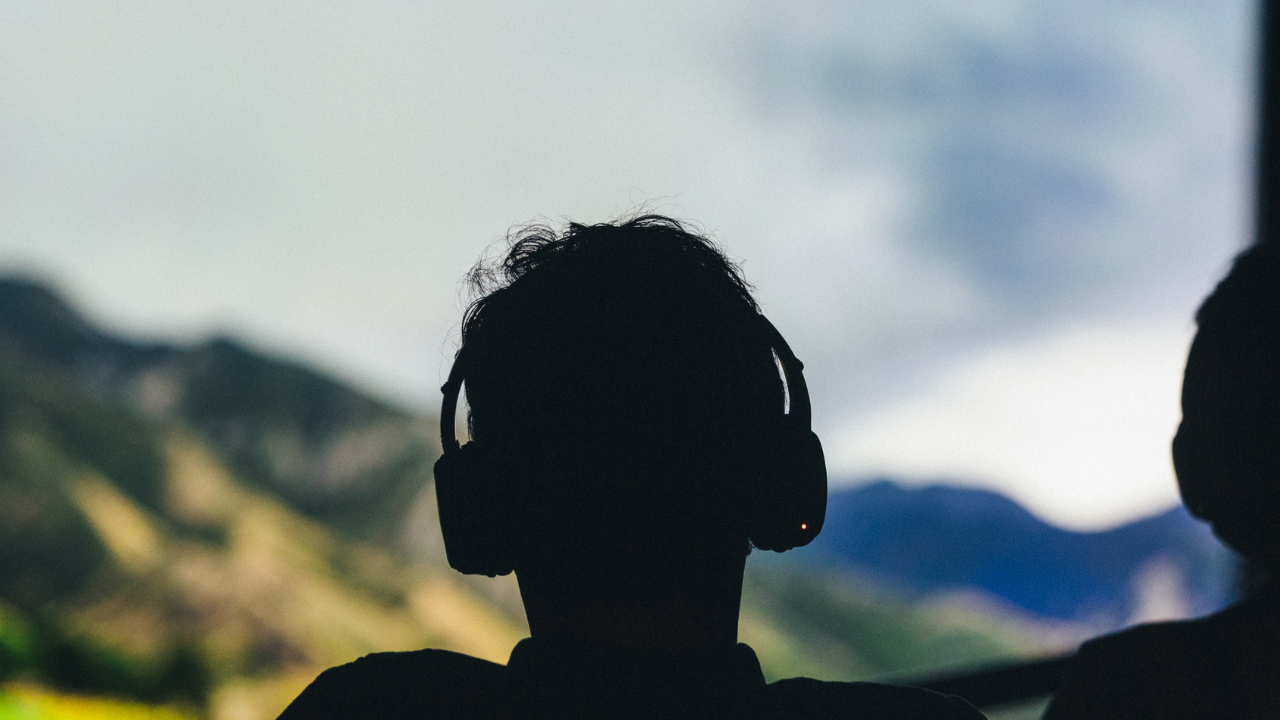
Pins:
x,y
804,526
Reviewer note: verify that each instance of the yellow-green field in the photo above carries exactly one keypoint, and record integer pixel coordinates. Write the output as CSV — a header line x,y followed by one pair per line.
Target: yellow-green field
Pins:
x,y
27,702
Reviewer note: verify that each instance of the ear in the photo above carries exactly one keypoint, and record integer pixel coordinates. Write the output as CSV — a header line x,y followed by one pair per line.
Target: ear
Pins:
x,y
790,505
475,512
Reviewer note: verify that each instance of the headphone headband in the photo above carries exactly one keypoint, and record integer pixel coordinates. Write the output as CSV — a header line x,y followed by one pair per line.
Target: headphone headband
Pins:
x,y
800,410
448,411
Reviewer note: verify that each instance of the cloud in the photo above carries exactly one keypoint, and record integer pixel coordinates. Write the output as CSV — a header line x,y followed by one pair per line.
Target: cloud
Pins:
x,y
1076,425
1051,162
1036,143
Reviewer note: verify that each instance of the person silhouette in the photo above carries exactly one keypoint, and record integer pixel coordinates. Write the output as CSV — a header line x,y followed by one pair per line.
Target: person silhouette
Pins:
x,y
637,426
1227,458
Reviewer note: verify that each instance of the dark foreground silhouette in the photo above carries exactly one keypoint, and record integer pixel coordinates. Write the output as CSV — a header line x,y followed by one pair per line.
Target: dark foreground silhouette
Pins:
x,y
1227,457
549,679
1000,685
637,427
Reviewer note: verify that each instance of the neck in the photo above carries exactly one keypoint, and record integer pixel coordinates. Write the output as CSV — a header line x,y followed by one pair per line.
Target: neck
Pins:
x,y
664,611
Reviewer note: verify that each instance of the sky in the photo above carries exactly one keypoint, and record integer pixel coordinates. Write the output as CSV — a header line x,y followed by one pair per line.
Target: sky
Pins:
x,y
983,225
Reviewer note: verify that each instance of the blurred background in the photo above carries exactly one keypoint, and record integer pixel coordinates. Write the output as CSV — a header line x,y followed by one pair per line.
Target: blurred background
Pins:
x,y
231,242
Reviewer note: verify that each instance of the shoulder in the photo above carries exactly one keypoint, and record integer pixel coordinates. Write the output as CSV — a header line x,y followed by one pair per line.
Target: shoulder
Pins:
x,y
1145,640
424,683
803,697
1172,669
1239,624
1160,648
1142,655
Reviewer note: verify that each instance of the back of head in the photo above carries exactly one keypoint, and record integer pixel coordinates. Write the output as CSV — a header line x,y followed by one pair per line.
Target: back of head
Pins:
x,y
1227,451
618,373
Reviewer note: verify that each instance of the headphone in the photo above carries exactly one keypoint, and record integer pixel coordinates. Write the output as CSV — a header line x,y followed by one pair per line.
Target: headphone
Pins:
x,y
785,505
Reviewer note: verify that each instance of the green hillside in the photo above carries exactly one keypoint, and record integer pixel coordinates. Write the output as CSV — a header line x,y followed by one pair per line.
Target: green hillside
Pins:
x,y
333,453
204,529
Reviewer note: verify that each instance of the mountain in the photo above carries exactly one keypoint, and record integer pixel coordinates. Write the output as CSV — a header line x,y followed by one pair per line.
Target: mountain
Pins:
x,y
204,525
207,528
337,455
167,552
938,538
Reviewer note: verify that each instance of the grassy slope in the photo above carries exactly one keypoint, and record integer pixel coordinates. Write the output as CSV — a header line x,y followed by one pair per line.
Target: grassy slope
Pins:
x,y
30,702
832,627
133,562
260,597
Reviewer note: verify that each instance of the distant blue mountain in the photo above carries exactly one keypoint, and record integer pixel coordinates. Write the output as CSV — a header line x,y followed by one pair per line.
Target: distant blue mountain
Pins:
x,y
928,539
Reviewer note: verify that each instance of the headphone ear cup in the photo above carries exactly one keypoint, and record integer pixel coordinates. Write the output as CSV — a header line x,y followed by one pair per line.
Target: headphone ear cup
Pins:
x,y
790,502
475,517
